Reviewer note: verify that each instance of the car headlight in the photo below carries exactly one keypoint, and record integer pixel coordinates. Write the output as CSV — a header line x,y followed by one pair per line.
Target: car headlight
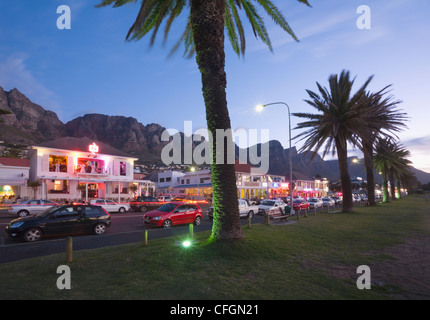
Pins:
x,y
156,218
16,224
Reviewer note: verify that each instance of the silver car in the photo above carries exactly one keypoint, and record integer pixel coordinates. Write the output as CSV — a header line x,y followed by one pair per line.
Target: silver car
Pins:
x,y
111,206
30,207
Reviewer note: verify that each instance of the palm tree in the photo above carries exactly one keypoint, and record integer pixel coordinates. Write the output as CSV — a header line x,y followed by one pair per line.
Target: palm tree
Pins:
x,y
204,36
390,159
383,119
340,120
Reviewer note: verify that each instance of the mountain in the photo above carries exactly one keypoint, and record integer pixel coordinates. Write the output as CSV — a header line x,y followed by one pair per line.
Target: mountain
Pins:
x,y
29,123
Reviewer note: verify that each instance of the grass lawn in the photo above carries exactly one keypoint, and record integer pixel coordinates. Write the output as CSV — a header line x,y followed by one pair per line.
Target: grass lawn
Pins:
x,y
314,258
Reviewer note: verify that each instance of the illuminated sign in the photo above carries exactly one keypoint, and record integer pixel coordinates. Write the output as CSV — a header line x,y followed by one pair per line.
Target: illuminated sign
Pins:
x,y
93,148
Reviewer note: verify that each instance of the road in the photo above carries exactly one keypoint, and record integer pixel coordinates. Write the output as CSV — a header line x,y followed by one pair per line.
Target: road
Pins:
x,y
126,228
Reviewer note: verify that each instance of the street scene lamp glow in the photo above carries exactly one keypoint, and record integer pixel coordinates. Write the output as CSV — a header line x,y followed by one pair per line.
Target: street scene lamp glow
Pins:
x,y
259,108
186,243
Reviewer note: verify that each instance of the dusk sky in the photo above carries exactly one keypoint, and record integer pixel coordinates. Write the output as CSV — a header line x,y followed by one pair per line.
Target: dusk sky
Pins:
x,y
90,68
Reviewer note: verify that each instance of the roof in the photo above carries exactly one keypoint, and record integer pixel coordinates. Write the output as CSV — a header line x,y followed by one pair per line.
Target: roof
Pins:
x,y
246,168
81,144
14,162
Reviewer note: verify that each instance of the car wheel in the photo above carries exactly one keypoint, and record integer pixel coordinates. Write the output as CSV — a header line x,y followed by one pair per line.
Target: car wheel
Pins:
x,y
99,228
33,234
121,210
250,214
143,209
23,213
197,221
167,224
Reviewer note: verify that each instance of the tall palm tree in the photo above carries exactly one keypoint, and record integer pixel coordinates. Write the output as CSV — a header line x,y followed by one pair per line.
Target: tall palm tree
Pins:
x,y
391,159
204,36
383,120
340,120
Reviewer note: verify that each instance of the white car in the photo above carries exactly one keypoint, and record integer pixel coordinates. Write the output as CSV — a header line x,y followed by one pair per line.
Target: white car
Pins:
x,y
30,207
328,202
164,198
111,206
315,203
269,204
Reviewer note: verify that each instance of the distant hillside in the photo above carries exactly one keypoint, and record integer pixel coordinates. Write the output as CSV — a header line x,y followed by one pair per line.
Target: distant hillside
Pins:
x,y
29,123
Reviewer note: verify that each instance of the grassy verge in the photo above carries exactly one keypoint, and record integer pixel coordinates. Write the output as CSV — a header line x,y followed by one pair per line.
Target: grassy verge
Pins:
x,y
314,258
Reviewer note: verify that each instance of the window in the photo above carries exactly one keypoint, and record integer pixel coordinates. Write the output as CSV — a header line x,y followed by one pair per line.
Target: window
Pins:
x,y
168,179
57,163
161,179
90,166
122,168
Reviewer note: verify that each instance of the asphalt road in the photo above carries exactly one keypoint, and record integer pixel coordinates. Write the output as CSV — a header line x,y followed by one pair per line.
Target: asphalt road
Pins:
x,y
125,228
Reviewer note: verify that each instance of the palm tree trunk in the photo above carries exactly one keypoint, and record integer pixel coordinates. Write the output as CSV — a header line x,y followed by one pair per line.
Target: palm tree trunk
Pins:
x,y
207,18
399,185
370,175
385,194
392,184
342,155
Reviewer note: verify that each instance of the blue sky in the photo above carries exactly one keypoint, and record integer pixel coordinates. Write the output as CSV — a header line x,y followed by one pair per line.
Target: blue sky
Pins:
x,y
92,69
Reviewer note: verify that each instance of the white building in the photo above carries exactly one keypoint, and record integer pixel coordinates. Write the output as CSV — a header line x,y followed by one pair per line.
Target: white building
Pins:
x,y
167,180
14,174
81,168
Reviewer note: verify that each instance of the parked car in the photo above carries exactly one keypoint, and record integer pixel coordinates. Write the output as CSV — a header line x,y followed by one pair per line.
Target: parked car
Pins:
x,y
164,198
60,220
315,203
300,204
111,206
337,199
245,209
30,207
174,213
145,203
269,204
328,202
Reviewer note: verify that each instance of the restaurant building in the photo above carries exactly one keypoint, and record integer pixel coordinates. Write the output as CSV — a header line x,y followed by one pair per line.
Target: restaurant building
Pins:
x,y
80,169
251,184
14,175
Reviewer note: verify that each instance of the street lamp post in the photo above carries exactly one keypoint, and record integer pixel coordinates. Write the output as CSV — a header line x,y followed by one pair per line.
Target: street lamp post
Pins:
x,y
198,181
260,108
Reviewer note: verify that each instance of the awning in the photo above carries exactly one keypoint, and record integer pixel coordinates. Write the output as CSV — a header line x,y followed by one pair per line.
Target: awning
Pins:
x,y
13,182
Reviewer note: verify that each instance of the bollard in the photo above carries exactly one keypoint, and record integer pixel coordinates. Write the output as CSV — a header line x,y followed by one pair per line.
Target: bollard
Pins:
x,y
69,249
249,222
145,238
191,226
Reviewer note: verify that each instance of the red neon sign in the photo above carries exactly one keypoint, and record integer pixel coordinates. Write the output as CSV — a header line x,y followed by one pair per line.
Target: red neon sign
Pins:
x,y
93,148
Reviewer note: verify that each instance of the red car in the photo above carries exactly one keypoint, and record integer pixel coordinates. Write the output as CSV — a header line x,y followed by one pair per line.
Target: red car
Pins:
x,y
174,213
300,204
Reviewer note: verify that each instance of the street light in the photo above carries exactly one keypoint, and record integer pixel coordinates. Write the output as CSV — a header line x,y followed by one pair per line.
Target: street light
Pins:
x,y
198,181
259,108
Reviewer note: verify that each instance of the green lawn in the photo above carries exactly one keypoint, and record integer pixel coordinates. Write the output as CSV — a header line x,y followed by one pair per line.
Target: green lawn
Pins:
x,y
314,258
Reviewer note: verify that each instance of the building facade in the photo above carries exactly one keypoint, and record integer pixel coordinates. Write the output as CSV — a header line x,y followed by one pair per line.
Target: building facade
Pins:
x,y
14,174
81,169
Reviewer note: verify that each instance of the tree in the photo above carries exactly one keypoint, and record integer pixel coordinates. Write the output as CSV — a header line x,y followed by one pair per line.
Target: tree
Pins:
x,y
204,36
339,122
382,120
390,160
